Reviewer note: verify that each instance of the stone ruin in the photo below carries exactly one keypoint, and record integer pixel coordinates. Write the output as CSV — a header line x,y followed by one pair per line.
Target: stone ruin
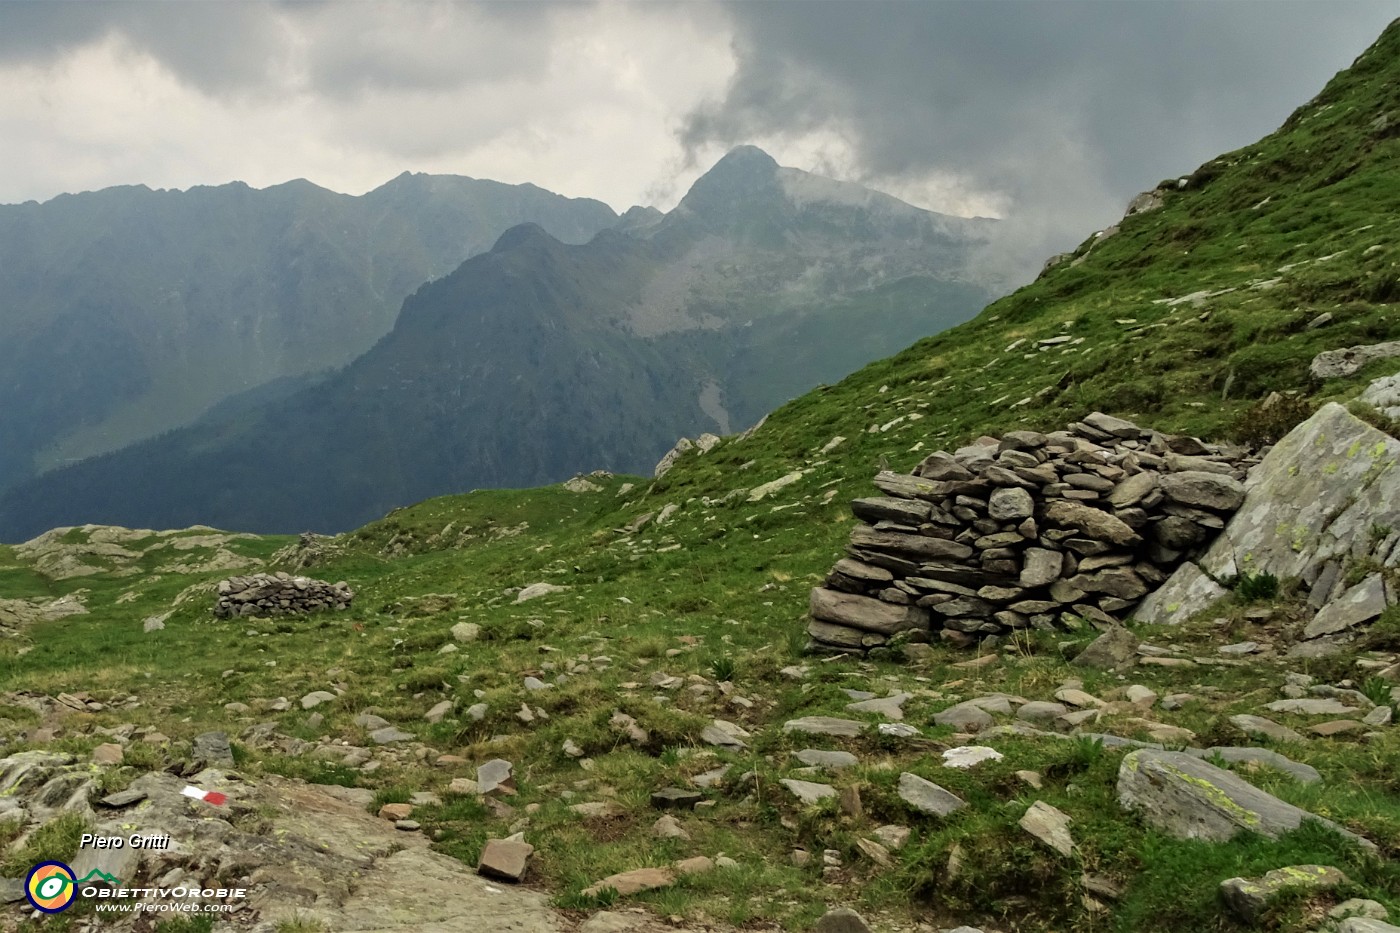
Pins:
x,y
269,594
1030,530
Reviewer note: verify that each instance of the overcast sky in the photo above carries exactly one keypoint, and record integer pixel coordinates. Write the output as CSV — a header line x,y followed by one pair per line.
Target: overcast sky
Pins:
x,y
1049,113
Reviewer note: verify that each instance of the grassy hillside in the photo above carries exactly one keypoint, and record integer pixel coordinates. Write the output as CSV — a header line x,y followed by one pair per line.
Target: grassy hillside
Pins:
x,y
1184,319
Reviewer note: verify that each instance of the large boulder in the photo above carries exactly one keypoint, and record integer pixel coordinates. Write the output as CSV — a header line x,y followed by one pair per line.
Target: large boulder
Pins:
x,y
1325,496
1188,798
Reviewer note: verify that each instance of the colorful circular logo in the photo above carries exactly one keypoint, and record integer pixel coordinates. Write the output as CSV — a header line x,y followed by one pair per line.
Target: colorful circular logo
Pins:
x,y
51,887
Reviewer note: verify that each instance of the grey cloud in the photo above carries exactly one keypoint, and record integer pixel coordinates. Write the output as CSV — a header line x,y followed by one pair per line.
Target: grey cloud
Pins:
x,y
1066,108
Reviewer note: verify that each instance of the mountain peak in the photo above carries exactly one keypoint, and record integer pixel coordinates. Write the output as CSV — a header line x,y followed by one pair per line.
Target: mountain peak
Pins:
x,y
746,173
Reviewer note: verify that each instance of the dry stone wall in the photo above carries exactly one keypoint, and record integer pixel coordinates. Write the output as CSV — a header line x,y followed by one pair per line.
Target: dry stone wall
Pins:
x,y
267,594
1026,530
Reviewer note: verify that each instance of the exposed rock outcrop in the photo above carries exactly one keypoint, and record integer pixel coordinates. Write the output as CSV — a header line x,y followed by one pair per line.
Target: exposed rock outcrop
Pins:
x,y
1322,508
1028,530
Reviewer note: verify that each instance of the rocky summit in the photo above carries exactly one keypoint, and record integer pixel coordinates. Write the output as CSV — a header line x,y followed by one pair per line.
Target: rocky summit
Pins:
x,y
1112,644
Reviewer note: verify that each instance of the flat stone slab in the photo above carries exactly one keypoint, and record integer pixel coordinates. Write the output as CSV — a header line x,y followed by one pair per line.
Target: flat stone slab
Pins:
x,y
725,734
1250,898
1191,799
1302,773
825,725
632,882
1257,727
891,707
1362,603
1324,706
927,796
675,798
1050,826
808,791
832,761
388,735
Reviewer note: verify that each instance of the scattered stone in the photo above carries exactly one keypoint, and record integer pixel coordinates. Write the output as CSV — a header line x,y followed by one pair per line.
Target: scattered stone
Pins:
x,y
632,882
968,756
108,754
807,791
316,698
1041,711
1114,650
927,796
1303,773
466,632
668,827
724,734
389,735
842,920
1337,727
1311,707
890,707
1250,898
675,798
123,798
505,859
439,710
1050,826
496,777
831,761
964,717
892,836
394,812
536,590
825,725
1257,727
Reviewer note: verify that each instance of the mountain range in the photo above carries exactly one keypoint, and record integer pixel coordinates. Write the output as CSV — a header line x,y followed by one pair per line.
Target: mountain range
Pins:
x,y
541,358
128,312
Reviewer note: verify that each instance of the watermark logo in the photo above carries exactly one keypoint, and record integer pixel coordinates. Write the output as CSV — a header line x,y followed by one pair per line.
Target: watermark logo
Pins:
x,y
52,887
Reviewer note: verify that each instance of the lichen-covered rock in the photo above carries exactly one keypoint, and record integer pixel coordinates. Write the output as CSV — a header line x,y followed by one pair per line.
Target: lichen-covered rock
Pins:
x,y
1251,898
1325,498
1190,799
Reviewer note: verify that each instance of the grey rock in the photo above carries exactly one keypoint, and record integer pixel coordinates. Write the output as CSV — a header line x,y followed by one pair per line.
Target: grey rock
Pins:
x,y
1384,394
1334,364
842,920
891,707
675,798
831,761
1187,591
1250,898
439,710
1312,707
1258,727
1093,523
1204,490
725,734
316,698
1358,907
1302,773
1191,799
389,735
964,717
927,796
496,774
808,792
1050,826
1366,925
825,725
1010,504
213,749
1315,498
466,632
1041,568
123,798
1041,711
1115,649
864,613
536,590
1362,603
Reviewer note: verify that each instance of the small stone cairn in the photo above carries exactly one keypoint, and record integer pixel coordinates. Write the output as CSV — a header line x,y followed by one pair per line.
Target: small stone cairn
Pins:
x,y
1034,530
269,594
